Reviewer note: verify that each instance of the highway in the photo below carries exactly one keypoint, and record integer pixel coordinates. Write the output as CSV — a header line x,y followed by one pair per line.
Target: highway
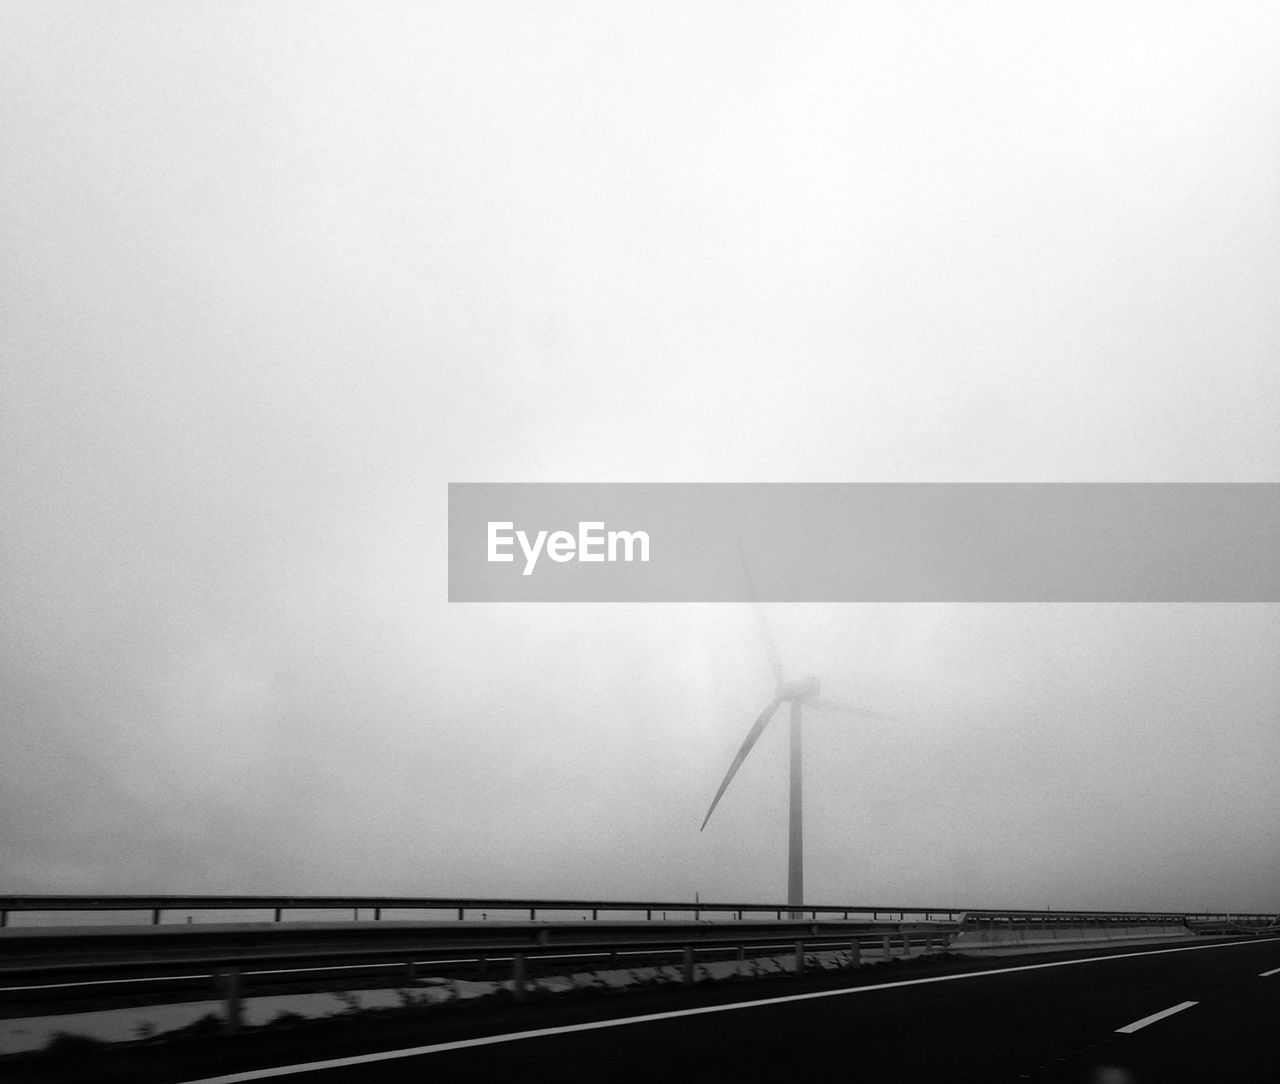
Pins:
x,y
1190,1013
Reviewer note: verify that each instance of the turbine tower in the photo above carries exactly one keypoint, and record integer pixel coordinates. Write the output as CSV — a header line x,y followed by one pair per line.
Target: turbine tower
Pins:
x,y
799,695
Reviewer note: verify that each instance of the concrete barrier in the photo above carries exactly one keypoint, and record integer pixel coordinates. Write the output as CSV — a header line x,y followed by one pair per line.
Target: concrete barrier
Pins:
x,y
1041,934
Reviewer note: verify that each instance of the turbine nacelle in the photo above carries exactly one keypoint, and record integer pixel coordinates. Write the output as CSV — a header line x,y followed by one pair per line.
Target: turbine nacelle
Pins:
x,y
797,690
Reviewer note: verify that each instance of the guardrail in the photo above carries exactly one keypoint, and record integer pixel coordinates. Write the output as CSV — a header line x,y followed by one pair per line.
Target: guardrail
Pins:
x,y
176,956
997,921
231,969
462,909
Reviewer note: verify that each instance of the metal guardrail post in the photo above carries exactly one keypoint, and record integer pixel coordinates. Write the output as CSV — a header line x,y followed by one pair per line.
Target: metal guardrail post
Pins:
x,y
279,912
799,958
519,975
687,970
230,982
155,916
855,954
885,946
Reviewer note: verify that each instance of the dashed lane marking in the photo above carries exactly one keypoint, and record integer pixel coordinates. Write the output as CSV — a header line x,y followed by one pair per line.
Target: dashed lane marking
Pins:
x,y
1129,1029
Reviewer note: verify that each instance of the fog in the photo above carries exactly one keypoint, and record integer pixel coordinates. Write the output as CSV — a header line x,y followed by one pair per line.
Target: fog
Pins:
x,y
274,275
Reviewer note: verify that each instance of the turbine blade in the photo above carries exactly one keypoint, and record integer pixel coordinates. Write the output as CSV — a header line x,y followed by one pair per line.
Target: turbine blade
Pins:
x,y
835,707
747,743
770,647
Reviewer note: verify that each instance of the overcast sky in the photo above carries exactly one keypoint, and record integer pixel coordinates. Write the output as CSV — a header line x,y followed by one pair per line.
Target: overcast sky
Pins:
x,y
275,274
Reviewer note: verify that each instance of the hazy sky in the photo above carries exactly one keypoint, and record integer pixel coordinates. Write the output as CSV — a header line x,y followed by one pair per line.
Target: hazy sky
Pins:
x,y
275,274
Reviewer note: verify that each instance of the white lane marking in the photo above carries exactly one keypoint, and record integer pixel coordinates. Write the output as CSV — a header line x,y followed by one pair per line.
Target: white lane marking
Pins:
x,y
1268,974
1129,1029
515,1036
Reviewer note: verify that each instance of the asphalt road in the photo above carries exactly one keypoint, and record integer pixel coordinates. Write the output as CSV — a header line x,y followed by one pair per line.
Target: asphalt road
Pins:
x,y
1052,1021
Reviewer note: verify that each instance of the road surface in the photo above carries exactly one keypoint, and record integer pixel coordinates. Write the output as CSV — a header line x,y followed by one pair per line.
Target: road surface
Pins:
x,y
1205,1012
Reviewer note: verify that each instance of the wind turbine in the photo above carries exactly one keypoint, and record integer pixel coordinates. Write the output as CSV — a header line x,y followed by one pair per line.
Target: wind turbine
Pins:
x,y
799,694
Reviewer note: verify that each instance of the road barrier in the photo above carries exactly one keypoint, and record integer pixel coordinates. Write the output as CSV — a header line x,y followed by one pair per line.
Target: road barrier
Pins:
x,y
235,957
1002,931
156,908
137,966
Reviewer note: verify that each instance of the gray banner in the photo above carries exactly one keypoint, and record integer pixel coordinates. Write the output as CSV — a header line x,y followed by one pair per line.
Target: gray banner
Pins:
x,y
927,542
